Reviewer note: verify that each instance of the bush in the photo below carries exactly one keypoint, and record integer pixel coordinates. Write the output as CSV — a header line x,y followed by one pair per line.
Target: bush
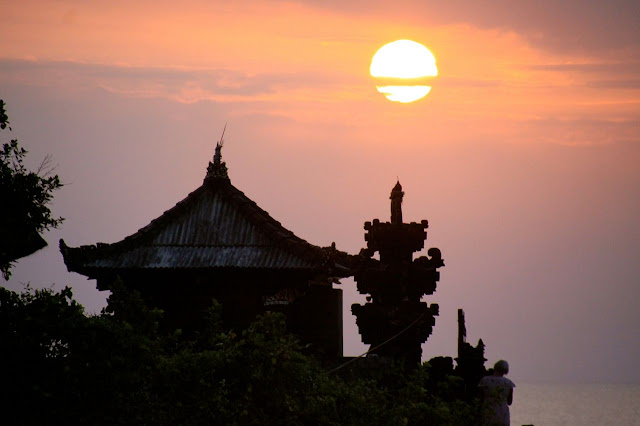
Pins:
x,y
115,368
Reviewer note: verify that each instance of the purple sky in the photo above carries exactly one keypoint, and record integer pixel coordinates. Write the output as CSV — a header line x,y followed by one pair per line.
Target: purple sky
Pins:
x,y
524,157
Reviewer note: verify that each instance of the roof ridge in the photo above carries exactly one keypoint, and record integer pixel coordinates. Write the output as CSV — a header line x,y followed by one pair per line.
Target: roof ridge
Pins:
x,y
292,240
266,225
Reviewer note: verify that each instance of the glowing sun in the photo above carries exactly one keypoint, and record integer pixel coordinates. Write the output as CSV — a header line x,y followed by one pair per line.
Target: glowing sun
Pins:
x,y
402,66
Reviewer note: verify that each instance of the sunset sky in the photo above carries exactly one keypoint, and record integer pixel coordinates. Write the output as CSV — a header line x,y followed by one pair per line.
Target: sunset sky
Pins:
x,y
524,157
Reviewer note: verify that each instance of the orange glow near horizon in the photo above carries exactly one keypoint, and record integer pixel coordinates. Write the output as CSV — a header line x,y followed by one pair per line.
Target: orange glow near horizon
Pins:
x,y
403,59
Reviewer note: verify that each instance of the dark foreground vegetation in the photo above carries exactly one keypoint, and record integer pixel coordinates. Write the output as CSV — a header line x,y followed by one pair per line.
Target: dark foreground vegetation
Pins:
x,y
60,366
24,201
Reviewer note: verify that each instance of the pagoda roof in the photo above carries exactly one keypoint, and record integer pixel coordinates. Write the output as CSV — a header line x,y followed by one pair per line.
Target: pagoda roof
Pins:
x,y
215,226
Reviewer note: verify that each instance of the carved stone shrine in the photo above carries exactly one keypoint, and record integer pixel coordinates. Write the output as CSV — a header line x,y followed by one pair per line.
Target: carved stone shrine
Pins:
x,y
394,321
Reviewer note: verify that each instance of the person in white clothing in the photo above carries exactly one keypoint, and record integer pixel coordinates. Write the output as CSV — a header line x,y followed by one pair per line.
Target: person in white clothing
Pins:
x,y
496,392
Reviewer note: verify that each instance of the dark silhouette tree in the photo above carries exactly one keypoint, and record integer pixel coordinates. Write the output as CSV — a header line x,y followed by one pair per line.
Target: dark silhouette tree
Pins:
x,y
120,368
24,199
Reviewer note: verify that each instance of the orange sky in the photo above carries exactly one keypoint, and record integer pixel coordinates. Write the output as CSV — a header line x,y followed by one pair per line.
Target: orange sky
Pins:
x,y
300,62
523,156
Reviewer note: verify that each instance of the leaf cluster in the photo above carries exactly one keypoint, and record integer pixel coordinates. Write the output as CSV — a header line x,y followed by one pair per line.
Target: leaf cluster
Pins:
x,y
117,368
27,192
24,201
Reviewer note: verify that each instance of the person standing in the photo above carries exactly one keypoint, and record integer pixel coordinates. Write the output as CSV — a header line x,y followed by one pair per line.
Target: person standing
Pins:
x,y
497,395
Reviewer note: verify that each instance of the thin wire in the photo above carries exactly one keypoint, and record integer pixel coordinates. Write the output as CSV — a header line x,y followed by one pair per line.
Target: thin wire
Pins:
x,y
376,347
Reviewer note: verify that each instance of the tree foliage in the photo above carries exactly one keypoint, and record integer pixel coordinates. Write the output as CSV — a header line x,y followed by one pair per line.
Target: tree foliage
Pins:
x,y
24,201
117,368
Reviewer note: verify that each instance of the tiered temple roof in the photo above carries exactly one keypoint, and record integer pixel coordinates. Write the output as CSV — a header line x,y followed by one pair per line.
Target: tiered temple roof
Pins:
x,y
215,226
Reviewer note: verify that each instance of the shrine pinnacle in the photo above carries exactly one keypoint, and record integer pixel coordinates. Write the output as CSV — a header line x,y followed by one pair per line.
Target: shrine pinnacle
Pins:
x,y
396,203
218,169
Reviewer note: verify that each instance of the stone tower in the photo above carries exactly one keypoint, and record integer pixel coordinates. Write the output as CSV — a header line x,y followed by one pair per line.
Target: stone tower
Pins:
x,y
394,321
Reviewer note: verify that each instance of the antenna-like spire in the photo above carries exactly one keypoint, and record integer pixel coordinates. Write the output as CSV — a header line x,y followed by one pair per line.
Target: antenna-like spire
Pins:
x,y
222,137
218,168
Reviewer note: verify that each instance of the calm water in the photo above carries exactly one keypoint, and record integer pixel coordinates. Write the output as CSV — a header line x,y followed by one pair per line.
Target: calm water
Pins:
x,y
579,405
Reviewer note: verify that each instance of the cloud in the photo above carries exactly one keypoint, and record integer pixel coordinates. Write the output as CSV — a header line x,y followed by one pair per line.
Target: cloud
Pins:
x,y
580,131
562,26
592,67
458,82
180,84
631,84
596,75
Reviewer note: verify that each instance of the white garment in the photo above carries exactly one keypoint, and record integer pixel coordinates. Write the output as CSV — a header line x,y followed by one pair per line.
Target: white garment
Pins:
x,y
495,392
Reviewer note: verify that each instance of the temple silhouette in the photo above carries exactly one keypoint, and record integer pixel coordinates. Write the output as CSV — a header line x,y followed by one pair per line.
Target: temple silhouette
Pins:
x,y
218,244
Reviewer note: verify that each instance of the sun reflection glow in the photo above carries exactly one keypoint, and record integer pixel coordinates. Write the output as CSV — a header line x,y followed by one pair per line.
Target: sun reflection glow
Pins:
x,y
403,59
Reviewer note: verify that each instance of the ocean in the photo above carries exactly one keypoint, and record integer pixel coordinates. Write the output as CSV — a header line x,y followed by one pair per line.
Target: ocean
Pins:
x,y
575,405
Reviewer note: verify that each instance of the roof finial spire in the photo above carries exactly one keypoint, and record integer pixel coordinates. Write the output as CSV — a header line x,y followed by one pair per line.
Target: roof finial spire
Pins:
x,y
396,203
218,168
